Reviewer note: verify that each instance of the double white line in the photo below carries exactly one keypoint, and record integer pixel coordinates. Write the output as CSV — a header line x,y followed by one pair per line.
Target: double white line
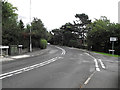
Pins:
x,y
96,62
102,64
9,74
63,51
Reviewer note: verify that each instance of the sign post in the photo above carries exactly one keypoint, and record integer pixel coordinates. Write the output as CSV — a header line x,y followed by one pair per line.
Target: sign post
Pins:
x,y
113,39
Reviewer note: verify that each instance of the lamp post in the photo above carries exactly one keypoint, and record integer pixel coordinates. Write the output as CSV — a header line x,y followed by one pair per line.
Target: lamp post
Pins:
x,y
30,29
119,12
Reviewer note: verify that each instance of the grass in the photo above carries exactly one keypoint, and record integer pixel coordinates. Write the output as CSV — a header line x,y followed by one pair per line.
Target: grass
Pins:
x,y
107,54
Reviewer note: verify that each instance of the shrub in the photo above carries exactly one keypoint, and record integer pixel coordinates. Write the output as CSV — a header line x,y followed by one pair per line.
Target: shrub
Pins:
x,y
43,44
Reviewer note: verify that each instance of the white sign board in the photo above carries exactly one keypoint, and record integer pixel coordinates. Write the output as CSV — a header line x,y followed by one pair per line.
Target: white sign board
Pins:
x,y
20,45
113,38
4,47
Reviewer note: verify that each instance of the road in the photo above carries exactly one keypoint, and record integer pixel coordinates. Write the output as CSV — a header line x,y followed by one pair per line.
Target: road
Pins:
x,y
61,67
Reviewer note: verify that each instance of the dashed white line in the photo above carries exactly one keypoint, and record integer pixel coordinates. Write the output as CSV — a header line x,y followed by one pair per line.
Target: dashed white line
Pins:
x,y
86,82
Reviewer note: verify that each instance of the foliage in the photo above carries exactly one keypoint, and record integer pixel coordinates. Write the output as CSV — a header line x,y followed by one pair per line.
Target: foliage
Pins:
x,y
38,31
81,26
73,43
69,32
9,24
98,38
14,31
43,44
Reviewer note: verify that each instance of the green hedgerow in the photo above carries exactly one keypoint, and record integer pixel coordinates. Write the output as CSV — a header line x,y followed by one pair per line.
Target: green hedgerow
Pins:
x,y
43,44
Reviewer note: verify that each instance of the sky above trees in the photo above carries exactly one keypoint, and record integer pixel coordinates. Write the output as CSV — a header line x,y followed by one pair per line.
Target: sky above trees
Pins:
x,y
55,13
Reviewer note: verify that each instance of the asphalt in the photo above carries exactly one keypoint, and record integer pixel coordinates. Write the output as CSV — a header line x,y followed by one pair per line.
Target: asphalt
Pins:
x,y
71,69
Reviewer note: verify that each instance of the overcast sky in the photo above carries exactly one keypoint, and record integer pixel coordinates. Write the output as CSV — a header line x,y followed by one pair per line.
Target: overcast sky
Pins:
x,y
55,13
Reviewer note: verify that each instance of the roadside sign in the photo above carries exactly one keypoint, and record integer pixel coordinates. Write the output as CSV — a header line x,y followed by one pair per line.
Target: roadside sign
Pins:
x,y
4,47
20,45
113,38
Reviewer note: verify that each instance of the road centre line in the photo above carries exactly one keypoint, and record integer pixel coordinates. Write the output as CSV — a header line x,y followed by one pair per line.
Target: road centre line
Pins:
x,y
95,60
86,82
63,51
28,68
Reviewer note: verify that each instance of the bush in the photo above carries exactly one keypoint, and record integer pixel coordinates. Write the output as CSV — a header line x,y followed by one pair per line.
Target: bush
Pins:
x,y
43,44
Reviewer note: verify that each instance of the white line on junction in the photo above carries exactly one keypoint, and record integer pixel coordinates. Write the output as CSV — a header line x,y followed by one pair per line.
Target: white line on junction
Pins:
x,y
95,60
102,64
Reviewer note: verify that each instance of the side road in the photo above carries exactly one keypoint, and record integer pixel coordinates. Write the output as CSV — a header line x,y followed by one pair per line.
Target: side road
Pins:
x,y
25,55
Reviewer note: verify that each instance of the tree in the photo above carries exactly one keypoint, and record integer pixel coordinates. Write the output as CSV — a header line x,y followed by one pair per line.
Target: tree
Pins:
x,y
98,38
69,33
38,32
21,30
56,36
9,24
21,25
81,26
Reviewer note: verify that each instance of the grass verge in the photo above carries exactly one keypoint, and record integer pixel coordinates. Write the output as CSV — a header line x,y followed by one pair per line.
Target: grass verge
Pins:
x,y
107,54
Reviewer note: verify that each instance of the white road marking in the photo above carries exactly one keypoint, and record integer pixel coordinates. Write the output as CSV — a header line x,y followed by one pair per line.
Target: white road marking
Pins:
x,y
63,51
96,65
6,76
28,68
103,66
86,82
81,54
20,56
95,60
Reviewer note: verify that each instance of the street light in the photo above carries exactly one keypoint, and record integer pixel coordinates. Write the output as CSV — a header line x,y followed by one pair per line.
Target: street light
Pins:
x,y
30,29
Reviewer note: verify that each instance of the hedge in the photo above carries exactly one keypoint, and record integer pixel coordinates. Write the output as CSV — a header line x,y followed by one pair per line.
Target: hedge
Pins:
x,y
43,44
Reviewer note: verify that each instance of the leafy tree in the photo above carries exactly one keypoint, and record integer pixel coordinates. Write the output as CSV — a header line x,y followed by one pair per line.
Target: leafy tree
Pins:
x,y
9,24
81,26
38,32
21,30
56,36
69,32
21,25
98,38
